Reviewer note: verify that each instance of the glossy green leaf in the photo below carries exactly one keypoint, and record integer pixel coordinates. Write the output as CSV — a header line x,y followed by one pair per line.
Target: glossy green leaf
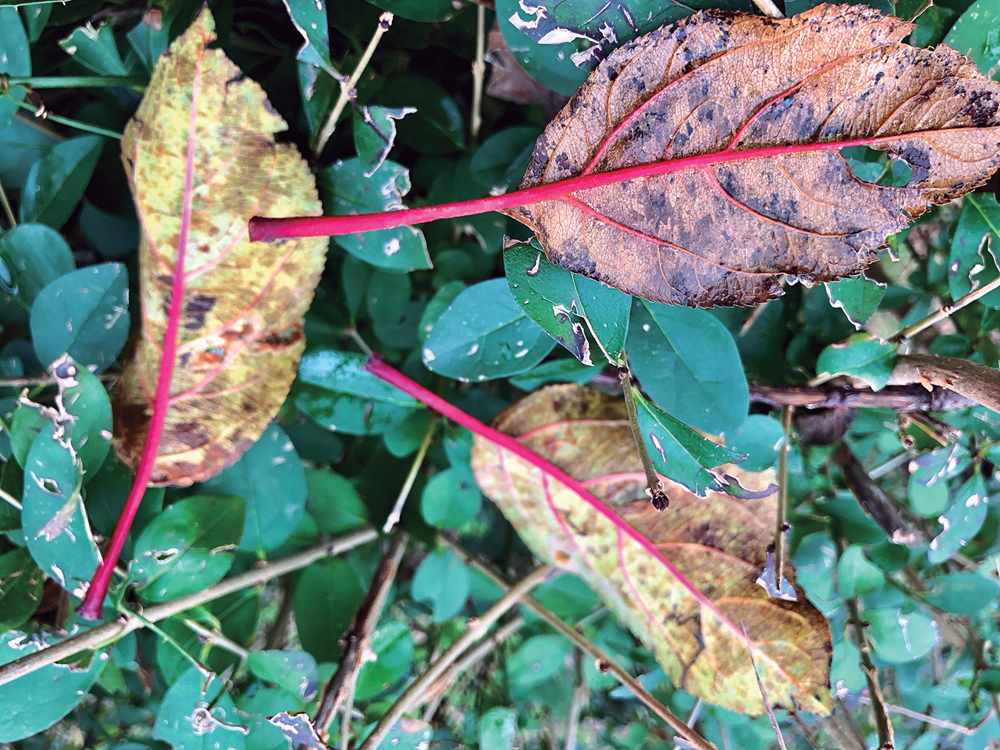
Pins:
x,y
450,499
53,517
687,363
392,644
976,238
270,479
113,236
436,127
56,182
20,588
427,11
407,436
928,501
962,592
327,594
346,190
95,50
187,547
500,162
375,134
567,306
85,314
975,35
858,297
440,302
759,438
15,59
38,700
899,638
198,714
310,18
334,502
497,728
678,452
31,256
337,393
962,521
484,335
861,356
566,370
856,576
148,42
538,659
293,672
442,581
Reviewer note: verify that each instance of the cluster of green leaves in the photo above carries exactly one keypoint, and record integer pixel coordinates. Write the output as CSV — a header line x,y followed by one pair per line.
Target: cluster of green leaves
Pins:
x,y
482,325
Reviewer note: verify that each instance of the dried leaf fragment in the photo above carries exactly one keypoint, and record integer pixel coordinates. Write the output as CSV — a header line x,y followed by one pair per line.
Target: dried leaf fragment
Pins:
x,y
683,581
723,132
201,159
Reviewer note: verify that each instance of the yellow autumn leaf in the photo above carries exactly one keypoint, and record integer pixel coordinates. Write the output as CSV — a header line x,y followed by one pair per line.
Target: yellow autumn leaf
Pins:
x,y
201,158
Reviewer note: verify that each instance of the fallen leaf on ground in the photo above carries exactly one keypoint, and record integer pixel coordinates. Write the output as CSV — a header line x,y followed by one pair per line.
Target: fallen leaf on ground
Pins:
x,y
723,133
683,580
201,158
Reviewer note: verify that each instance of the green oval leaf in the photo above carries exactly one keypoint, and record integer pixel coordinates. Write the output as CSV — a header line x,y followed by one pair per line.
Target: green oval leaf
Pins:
x,y
56,182
31,256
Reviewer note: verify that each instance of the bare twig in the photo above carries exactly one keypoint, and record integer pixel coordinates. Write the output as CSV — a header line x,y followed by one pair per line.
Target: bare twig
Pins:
x,y
109,632
768,8
478,73
763,693
882,724
902,398
6,207
602,659
805,730
577,703
780,525
10,499
356,641
475,630
932,720
347,87
106,377
654,488
872,498
276,633
946,310
217,639
404,492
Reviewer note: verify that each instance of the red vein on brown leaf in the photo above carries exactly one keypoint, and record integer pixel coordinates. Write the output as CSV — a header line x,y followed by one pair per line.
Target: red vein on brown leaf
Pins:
x,y
91,607
264,229
378,367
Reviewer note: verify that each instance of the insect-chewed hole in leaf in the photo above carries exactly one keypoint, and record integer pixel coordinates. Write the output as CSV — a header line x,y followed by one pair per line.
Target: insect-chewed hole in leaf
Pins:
x,y
877,167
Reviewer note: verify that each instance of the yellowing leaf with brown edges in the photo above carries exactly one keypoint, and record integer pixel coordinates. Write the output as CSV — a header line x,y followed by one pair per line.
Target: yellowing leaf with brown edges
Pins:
x,y
684,581
700,162
201,157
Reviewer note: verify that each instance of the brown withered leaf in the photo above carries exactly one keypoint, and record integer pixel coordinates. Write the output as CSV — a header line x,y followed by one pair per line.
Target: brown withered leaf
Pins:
x,y
201,158
683,581
722,135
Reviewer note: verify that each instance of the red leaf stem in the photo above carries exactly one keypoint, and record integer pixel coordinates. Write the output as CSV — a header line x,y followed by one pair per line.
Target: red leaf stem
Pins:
x,y
378,367
93,601
267,229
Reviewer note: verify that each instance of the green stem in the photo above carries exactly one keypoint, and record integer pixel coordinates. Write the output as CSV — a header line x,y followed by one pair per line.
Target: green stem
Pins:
x,y
45,114
411,477
77,82
654,488
780,524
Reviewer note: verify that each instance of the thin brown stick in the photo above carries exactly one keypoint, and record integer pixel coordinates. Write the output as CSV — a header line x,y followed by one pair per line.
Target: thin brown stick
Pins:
x,y
780,524
476,629
926,719
6,208
768,8
109,632
883,726
603,660
576,706
654,488
358,637
107,377
763,693
872,498
946,311
901,398
347,87
478,74
397,509
217,639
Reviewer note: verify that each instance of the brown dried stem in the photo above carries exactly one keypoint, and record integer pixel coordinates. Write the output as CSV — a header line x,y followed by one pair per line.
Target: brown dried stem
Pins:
x,y
763,691
476,629
603,660
882,724
358,637
654,488
478,73
900,398
945,311
347,87
6,208
109,632
780,525
872,498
